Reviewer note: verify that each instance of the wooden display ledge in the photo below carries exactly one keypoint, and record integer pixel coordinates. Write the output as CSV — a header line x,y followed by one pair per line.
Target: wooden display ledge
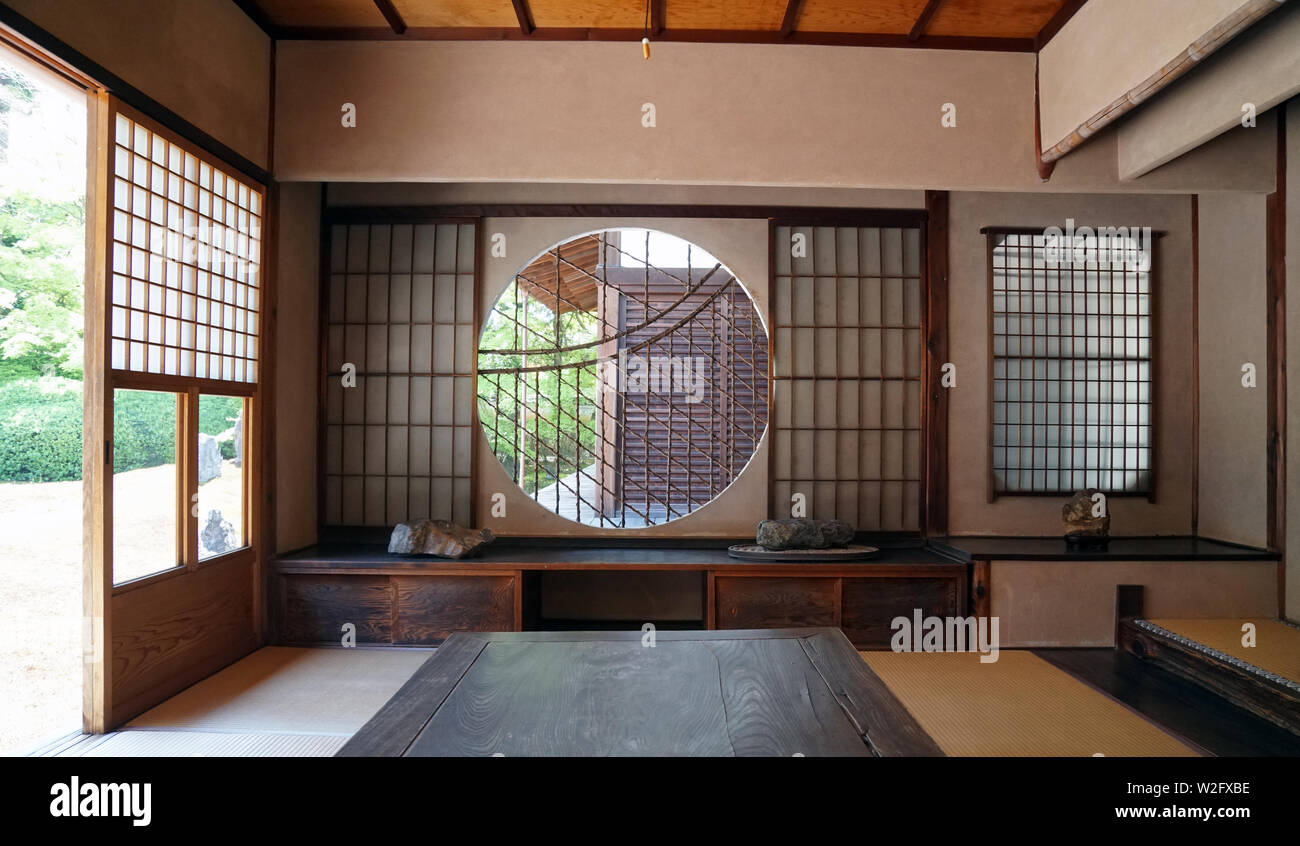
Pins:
x,y
408,600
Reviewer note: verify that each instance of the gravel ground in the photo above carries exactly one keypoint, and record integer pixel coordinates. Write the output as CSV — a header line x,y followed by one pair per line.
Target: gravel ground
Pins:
x,y
40,587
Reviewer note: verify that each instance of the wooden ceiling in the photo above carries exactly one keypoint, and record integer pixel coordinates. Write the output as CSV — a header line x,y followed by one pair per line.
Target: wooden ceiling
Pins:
x,y
576,275
1023,25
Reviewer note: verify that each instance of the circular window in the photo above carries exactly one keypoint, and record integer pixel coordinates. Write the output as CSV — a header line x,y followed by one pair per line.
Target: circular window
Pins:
x,y
623,378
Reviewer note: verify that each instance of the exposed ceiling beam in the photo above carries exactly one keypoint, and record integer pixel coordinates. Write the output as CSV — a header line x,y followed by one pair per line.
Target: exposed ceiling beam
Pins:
x,y
255,13
923,20
1054,24
391,15
791,17
525,16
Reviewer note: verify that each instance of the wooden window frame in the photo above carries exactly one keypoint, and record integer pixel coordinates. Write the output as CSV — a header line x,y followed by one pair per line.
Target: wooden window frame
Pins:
x,y
991,235
186,388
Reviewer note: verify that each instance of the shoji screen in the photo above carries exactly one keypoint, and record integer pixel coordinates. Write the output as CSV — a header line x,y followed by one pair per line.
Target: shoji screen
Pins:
x,y
847,310
186,259
401,311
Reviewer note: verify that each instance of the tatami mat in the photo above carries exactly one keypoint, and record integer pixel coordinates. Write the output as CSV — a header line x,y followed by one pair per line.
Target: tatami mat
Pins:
x,y
1276,649
286,690
1018,706
185,744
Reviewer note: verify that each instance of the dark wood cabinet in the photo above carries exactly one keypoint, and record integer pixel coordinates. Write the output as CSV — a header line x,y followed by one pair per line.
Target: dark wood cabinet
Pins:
x,y
407,601
757,602
862,606
413,610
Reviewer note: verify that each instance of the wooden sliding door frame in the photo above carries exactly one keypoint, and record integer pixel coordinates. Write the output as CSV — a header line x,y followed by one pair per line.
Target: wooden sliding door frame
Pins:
x,y
932,224
102,381
360,216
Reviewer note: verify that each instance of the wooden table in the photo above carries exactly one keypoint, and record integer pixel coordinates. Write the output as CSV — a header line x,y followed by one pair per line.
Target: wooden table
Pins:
x,y
776,692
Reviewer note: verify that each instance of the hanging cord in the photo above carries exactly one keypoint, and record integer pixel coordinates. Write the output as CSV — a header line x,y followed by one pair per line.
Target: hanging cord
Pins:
x,y
645,33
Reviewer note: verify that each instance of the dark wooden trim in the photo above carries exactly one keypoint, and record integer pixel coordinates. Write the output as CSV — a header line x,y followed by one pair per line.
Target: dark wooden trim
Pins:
x,y
819,215
923,20
769,433
934,518
130,95
1045,549
1276,247
981,591
259,17
264,440
394,17
791,18
322,343
707,36
525,16
1196,364
658,17
1128,606
1253,691
991,489
1059,20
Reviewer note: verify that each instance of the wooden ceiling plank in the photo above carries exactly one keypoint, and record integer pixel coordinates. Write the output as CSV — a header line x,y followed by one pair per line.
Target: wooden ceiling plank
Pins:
x,y
923,20
791,18
658,16
390,13
525,16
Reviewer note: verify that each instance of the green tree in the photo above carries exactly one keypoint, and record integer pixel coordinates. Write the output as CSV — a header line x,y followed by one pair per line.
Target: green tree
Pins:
x,y
41,301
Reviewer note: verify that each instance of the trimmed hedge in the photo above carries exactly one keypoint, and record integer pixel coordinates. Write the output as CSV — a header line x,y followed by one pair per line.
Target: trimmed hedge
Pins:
x,y
40,429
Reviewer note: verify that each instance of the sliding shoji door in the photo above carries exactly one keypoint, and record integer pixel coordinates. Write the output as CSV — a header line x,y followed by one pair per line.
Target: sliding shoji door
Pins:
x,y
400,310
847,308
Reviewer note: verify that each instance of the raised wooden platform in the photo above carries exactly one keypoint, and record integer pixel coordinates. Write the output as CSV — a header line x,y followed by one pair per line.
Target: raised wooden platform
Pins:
x,y
404,600
1263,693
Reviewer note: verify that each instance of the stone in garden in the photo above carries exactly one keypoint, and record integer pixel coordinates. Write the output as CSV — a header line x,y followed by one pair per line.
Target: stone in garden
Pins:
x,y
802,533
1082,524
218,535
438,537
209,458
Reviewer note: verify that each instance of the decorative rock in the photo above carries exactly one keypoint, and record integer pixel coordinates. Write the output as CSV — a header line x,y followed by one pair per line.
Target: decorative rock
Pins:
x,y
803,534
209,458
438,537
1082,527
218,535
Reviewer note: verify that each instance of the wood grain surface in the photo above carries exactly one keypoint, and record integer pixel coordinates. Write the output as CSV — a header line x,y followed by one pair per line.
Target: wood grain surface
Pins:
x,y
739,693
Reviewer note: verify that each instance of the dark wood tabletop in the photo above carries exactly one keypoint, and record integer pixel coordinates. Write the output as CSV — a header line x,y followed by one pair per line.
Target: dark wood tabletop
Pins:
x,y
774,692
